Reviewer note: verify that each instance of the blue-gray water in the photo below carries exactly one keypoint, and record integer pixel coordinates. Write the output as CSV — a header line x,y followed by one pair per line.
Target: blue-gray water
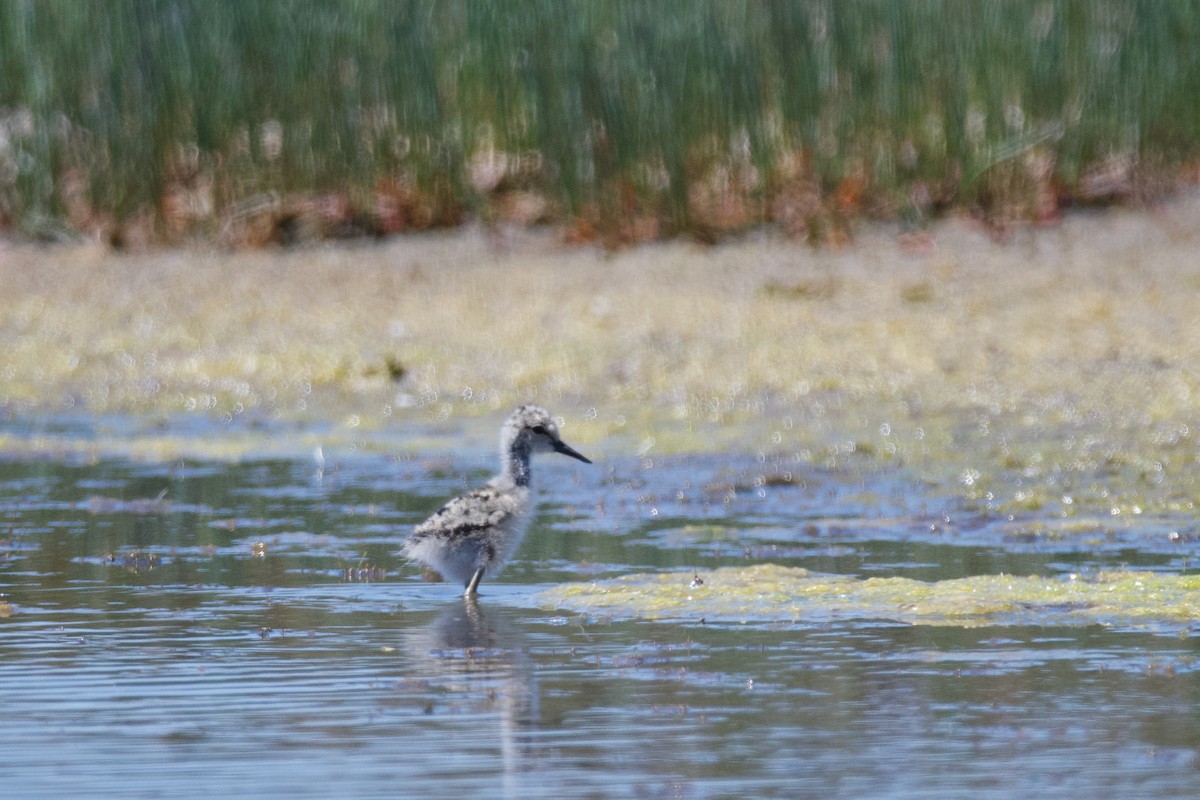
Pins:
x,y
195,628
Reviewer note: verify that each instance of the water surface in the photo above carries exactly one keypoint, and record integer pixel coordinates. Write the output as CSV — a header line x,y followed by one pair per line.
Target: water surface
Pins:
x,y
190,627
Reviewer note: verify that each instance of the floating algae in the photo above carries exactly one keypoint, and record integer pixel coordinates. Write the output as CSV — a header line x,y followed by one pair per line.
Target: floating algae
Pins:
x,y
767,592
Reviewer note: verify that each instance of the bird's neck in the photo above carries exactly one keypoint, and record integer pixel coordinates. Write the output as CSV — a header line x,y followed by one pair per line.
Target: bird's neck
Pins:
x,y
516,464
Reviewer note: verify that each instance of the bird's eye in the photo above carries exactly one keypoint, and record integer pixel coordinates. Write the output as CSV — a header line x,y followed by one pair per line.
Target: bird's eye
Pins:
x,y
540,429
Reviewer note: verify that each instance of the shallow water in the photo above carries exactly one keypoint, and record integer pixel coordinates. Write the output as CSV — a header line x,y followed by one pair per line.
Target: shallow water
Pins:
x,y
185,627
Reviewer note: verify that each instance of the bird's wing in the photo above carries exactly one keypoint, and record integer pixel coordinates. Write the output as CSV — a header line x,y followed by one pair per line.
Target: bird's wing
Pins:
x,y
476,510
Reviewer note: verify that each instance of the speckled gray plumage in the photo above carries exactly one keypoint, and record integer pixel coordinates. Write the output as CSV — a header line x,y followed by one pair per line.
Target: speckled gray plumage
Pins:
x,y
474,535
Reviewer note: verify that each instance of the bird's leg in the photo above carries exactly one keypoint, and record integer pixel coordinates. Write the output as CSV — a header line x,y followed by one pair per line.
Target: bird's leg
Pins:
x,y
473,584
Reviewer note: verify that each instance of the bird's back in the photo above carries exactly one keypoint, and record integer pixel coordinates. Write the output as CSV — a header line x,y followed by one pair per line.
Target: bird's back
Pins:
x,y
481,528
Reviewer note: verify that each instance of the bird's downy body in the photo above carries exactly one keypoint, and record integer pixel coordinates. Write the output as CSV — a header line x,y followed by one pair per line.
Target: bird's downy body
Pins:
x,y
474,535
482,528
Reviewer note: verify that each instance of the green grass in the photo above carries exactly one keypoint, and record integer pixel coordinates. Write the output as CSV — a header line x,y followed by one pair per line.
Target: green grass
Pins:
x,y
256,119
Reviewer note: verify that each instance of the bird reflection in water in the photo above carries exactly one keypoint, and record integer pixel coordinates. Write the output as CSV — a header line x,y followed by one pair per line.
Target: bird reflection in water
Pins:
x,y
474,659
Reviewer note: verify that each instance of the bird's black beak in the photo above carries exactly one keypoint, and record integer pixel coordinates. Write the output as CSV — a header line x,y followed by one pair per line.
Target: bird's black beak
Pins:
x,y
562,447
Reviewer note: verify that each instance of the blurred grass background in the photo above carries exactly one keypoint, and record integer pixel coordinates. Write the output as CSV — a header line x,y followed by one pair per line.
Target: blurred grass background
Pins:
x,y
259,120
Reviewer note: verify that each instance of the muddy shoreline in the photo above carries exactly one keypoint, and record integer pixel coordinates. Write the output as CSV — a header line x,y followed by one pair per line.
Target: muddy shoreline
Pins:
x,y
1062,356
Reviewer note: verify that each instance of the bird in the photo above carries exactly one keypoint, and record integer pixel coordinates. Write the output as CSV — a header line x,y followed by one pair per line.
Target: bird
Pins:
x,y
473,535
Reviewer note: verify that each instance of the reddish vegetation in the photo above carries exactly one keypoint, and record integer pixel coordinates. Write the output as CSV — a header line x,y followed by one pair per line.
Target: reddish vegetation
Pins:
x,y
726,194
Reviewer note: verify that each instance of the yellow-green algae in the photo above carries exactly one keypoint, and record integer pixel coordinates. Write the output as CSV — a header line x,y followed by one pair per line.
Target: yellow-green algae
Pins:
x,y
1050,376
767,592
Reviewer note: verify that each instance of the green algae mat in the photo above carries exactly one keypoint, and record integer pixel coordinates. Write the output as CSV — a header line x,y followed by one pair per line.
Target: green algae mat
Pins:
x,y
770,593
